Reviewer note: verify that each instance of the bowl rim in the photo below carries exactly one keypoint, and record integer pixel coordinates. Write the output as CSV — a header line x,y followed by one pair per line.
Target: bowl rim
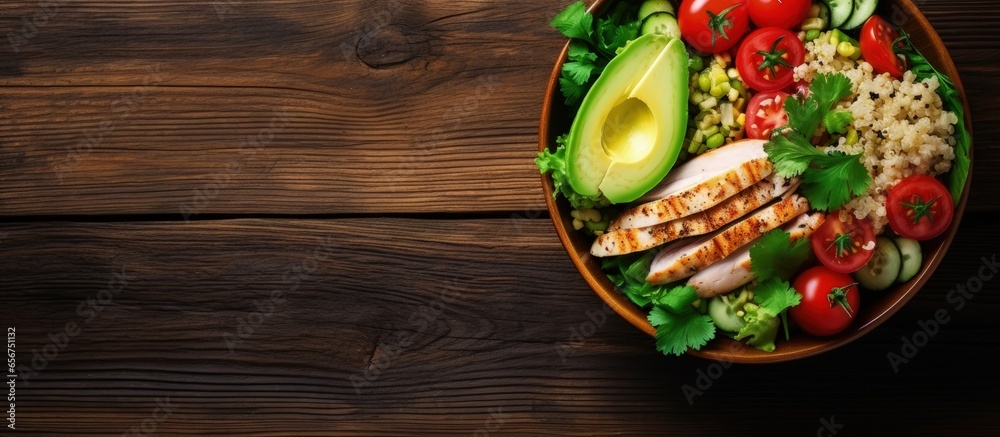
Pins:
x,y
738,351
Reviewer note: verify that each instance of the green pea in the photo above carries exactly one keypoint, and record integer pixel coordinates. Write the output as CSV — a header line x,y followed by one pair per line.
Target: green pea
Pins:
x,y
715,141
704,82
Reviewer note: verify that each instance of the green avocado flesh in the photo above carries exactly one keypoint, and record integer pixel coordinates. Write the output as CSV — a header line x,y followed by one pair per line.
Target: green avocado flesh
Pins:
x,y
630,127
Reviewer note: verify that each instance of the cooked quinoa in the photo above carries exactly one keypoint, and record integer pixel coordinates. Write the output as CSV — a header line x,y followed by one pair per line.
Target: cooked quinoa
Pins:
x,y
902,128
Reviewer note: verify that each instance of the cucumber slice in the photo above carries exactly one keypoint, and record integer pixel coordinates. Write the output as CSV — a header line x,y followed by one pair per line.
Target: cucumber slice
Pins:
x,y
862,10
650,7
723,309
662,23
912,258
840,11
824,14
883,269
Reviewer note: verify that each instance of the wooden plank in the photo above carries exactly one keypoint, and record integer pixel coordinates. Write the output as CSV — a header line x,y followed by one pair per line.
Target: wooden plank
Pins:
x,y
411,106
113,107
456,323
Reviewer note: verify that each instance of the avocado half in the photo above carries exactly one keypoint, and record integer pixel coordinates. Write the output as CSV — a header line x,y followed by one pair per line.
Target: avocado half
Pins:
x,y
631,125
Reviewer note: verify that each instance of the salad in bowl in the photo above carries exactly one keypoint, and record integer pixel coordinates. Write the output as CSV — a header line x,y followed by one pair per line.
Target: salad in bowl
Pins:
x,y
783,175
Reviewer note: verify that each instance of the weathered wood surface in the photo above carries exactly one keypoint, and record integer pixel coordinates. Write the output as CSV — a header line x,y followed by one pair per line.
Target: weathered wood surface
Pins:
x,y
451,320
454,304
118,107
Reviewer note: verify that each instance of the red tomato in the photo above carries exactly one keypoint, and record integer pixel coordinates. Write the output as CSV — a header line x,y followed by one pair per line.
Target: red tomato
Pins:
x,y
712,25
765,112
877,38
830,300
844,246
919,207
767,56
786,14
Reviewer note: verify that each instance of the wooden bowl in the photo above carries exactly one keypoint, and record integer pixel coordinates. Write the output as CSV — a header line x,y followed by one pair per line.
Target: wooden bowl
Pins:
x,y
876,306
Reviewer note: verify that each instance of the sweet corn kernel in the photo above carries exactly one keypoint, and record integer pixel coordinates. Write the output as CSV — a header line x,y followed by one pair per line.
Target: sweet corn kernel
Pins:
x,y
845,49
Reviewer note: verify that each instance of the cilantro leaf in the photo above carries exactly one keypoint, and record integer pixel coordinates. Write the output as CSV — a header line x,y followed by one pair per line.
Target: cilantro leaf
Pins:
x,y
572,91
579,52
828,180
828,89
791,153
776,256
677,332
775,296
803,114
677,299
578,72
836,122
838,178
611,37
617,28
575,22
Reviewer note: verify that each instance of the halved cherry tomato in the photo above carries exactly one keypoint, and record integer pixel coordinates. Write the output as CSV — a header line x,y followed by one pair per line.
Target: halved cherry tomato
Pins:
x,y
844,243
830,300
767,56
712,25
919,207
877,39
786,14
765,112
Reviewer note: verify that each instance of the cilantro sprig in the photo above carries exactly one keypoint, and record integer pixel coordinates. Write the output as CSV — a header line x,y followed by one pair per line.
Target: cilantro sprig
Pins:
x,y
678,325
829,180
595,41
775,255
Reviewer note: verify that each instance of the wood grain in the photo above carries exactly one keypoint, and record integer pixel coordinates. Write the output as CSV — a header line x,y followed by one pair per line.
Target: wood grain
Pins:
x,y
392,106
458,314
482,305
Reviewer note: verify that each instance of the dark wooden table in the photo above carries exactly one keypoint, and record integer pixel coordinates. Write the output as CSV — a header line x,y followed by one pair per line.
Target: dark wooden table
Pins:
x,y
316,217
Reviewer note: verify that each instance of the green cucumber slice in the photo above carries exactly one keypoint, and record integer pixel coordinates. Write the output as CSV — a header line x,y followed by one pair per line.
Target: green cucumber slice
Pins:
x,y
882,270
662,23
912,258
650,7
840,11
862,10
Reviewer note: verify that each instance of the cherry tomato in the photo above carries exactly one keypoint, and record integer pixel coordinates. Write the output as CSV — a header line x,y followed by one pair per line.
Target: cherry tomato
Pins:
x,y
877,39
786,14
767,56
712,26
844,246
830,300
765,112
919,207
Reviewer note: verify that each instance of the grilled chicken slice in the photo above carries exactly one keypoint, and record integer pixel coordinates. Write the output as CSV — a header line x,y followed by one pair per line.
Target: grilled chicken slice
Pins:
x,y
699,184
734,271
687,257
623,241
